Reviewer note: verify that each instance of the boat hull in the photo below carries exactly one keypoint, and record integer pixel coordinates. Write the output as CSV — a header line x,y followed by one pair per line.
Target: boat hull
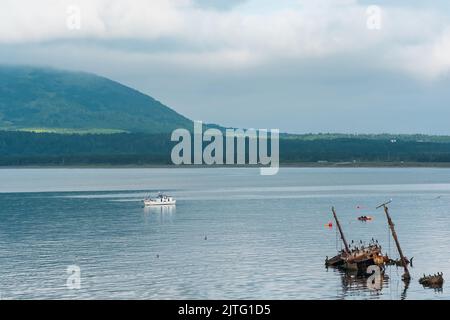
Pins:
x,y
335,261
149,203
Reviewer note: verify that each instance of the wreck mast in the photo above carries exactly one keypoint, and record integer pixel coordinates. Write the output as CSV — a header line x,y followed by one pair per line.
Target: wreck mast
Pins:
x,y
406,275
347,250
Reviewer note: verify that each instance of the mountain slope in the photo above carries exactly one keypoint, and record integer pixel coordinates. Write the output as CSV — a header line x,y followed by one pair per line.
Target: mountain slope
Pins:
x,y
47,98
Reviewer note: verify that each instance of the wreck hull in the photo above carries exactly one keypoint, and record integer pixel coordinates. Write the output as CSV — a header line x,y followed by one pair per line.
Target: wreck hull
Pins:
x,y
335,261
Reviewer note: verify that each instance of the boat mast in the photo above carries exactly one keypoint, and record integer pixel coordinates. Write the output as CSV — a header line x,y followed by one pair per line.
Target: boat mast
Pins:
x,y
406,275
347,250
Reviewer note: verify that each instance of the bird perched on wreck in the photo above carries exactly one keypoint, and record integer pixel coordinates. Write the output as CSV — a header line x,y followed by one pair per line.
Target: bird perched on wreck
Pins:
x,y
432,281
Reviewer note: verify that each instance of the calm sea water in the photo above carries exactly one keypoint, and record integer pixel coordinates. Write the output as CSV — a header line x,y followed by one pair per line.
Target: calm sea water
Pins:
x,y
233,234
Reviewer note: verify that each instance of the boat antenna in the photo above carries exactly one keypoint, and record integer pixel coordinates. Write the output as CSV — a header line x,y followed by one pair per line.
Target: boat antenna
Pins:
x,y
406,276
347,250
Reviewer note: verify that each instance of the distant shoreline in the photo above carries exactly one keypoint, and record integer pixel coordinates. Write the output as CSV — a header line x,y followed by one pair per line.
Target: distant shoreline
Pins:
x,y
284,165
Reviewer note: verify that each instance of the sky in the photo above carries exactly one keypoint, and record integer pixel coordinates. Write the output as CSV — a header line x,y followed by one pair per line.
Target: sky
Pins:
x,y
299,66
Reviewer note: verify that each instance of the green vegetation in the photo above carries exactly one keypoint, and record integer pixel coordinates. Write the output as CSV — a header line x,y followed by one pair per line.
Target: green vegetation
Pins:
x,y
47,98
29,148
68,130
52,117
384,136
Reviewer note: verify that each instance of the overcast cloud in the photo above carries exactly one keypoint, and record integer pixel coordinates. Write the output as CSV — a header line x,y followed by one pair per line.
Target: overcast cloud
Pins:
x,y
296,65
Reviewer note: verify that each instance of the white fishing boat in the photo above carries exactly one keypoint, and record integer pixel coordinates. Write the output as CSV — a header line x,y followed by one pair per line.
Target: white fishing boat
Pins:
x,y
160,200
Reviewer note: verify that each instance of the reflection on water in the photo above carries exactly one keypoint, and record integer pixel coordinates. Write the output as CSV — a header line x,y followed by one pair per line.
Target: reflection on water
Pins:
x,y
166,209
159,214
353,284
438,289
233,235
